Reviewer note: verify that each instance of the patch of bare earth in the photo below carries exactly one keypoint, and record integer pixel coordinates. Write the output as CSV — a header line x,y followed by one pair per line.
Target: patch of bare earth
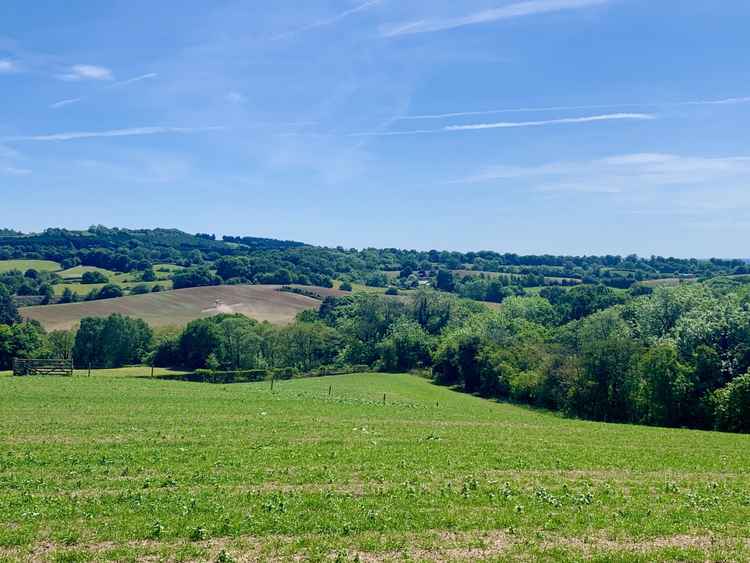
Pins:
x,y
428,546
179,307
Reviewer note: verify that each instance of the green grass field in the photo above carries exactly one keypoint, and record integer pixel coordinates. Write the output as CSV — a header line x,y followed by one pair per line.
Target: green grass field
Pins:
x,y
78,271
23,265
83,289
162,269
71,279
126,468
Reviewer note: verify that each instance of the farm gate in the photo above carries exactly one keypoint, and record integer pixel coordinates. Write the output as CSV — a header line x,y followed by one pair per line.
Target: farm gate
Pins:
x,y
43,367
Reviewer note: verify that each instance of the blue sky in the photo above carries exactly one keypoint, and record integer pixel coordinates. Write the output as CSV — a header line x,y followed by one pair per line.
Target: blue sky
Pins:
x,y
539,126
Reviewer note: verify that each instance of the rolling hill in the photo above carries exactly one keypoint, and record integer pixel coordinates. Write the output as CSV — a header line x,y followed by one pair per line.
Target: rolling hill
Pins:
x,y
260,302
325,469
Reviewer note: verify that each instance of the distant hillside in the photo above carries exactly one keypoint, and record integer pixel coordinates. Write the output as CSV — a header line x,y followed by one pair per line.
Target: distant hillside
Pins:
x,y
114,238
256,243
260,302
262,261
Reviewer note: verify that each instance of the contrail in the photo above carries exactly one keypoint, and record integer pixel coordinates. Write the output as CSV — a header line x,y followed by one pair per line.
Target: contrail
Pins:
x,y
132,80
727,101
510,124
132,132
63,103
329,21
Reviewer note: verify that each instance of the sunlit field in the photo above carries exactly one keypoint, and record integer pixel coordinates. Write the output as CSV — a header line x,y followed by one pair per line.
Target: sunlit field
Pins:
x,y
122,467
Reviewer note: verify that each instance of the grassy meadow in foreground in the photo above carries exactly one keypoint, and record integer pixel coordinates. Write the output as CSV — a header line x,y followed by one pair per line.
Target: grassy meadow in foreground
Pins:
x,y
128,468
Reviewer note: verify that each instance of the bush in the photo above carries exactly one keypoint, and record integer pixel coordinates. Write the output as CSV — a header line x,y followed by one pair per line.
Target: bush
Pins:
x,y
195,277
167,353
68,296
110,291
406,347
732,405
139,289
237,376
94,277
345,286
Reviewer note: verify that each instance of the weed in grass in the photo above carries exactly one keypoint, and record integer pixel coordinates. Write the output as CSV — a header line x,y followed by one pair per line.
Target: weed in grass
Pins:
x,y
198,533
224,557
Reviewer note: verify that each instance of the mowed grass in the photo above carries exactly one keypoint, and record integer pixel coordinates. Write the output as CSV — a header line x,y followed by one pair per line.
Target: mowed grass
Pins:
x,y
78,271
83,289
23,265
128,468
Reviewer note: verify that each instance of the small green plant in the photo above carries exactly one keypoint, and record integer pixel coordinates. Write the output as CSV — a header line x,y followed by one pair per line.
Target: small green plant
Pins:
x,y
198,534
156,530
224,557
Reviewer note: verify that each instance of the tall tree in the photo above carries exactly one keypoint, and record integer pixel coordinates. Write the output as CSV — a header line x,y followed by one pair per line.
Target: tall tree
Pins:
x,y
8,311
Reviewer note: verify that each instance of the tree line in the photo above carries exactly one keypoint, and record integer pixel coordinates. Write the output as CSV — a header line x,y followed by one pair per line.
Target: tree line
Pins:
x,y
676,357
259,260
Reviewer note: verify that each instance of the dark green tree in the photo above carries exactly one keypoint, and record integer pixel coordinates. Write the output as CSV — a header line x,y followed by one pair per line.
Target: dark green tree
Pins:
x,y
8,311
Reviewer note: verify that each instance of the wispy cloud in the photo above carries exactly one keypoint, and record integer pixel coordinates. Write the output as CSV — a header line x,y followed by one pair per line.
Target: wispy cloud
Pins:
x,y
87,72
329,21
511,124
148,76
7,66
517,10
63,103
71,101
726,101
131,132
639,176
9,162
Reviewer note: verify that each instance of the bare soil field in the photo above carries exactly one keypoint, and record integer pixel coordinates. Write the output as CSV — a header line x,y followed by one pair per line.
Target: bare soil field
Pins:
x,y
260,302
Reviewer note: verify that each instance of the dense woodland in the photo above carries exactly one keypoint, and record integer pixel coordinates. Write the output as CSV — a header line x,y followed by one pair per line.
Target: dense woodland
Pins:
x,y
486,275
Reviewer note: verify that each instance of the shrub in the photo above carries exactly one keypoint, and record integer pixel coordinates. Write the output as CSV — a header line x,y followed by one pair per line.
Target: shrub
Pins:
x,y
732,405
195,277
139,289
110,291
94,277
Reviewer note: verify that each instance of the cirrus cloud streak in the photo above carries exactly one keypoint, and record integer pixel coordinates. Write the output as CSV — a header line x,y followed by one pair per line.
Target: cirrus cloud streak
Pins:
x,y
129,132
512,124
517,10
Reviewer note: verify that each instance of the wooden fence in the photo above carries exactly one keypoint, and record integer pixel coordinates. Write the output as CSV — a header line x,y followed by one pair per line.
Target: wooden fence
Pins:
x,y
43,367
